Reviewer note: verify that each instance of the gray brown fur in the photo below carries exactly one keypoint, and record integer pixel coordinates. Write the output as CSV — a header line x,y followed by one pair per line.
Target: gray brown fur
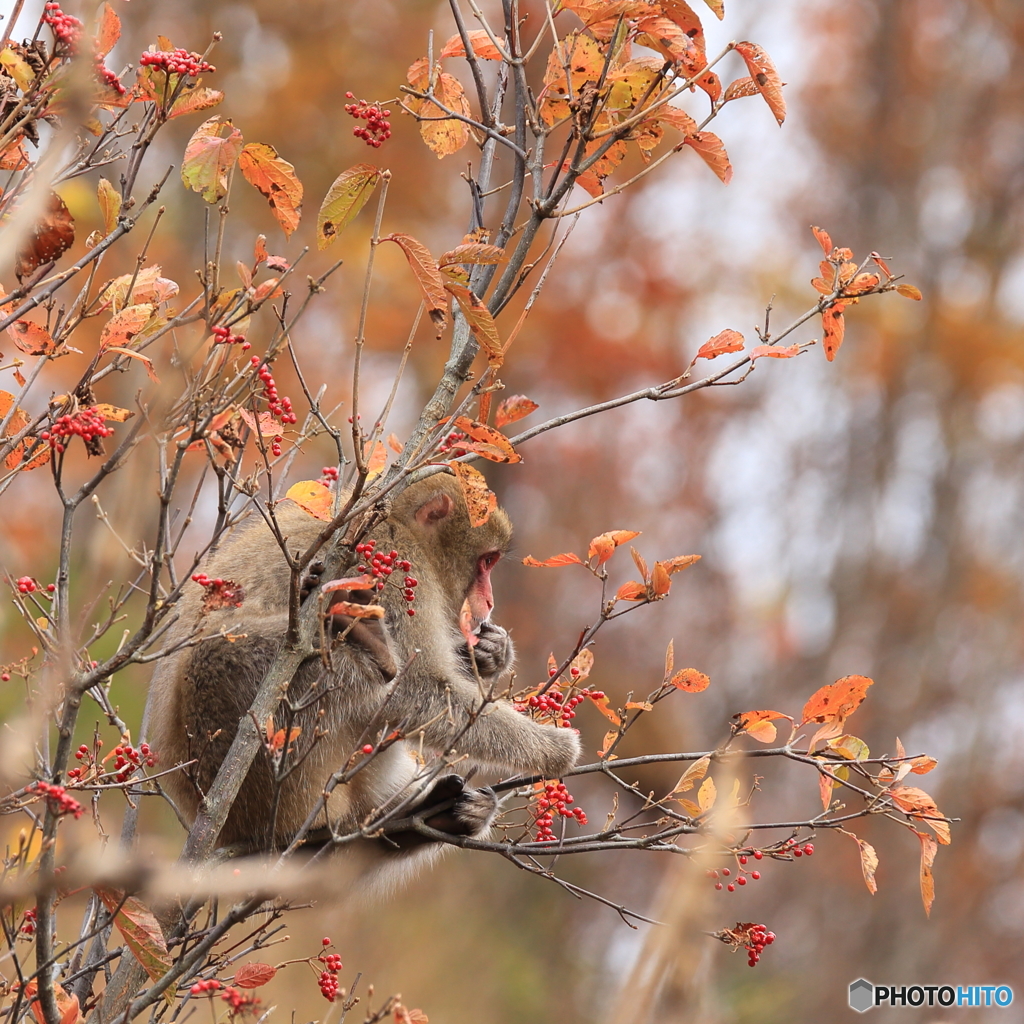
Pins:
x,y
204,691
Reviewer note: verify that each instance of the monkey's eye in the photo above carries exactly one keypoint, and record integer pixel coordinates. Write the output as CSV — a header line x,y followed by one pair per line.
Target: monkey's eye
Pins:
x,y
488,561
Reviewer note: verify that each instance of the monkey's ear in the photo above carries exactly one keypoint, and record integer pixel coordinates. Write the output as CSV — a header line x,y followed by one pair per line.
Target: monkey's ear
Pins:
x,y
434,509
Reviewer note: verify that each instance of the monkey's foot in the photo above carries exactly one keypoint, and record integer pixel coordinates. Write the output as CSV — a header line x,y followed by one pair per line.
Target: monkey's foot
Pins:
x,y
492,654
472,812
311,580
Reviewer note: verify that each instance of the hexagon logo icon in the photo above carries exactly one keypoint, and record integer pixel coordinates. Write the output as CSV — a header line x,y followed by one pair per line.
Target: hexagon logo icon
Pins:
x,y
862,995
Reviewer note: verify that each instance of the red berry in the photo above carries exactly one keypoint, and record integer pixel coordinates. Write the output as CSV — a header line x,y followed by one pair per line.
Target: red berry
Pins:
x,y
367,748
741,880
731,887
755,875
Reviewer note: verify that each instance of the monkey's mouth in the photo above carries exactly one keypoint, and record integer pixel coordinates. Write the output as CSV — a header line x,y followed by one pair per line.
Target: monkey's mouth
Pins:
x,y
470,620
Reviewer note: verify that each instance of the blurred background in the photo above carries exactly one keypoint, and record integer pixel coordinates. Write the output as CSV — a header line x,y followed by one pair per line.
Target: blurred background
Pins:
x,y
863,516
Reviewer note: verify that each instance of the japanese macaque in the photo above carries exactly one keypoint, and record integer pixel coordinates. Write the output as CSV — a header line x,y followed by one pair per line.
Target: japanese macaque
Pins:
x,y
417,673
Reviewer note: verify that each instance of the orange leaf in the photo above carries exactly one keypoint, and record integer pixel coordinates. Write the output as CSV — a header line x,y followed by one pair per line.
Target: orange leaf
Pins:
x,y
641,565
670,659
861,283
916,803
108,31
358,611
480,500
499,448
193,98
868,861
834,326
660,582
478,39
275,179
725,341
602,704
631,591
638,705
824,239
690,680
428,277
605,544
67,1005
345,198
674,565
759,724
440,131
253,975
825,790
140,930
555,561
741,88
51,237
710,148
145,360
774,351
908,291
581,666
479,318
110,204
606,743
691,776
209,156
363,582
122,327
836,701
765,77
395,445
928,851
516,407
474,253
314,497
376,456
31,338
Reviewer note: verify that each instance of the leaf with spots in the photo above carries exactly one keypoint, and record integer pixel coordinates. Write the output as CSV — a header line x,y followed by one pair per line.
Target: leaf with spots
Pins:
x,y
276,180
344,199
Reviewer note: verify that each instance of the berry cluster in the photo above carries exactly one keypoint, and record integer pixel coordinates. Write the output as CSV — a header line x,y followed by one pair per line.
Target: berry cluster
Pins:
x,y
556,800
378,129
87,424
237,1001
793,847
222,336
176,62
450,443
562,710
225,591
329,475
201,987
28,924
67,29
759,937
380,566
741,877
127,759
328,977
65,804
108,78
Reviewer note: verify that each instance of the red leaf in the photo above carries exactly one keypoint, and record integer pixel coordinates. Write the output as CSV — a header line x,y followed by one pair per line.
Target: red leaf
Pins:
x,y
834,328
605,544
253,975
631,591
31,338
51,237
514,408
428,277
725,341
711,150
774,351
824,239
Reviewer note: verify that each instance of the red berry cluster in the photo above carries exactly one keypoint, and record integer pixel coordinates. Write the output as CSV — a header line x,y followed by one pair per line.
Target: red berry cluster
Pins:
x,y
107,77
87,424
237,1001
65,804
228,592
451,442
378,129
67,29
380,566
200,987
793,847
741,877
328,977
176,62
127,759
759,938
28,924
26,585
329,475
556,800
562,710
222,336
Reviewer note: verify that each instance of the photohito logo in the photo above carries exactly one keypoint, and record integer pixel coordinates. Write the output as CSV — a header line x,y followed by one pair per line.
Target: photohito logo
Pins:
x,y
864,995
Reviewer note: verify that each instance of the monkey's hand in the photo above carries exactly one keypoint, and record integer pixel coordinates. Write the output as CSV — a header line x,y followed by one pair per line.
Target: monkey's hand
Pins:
x,y
472,810
492,654
560,749
367,633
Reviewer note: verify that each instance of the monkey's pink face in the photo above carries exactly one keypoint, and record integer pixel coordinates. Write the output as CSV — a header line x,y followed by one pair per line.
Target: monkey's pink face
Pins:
x,y
479,598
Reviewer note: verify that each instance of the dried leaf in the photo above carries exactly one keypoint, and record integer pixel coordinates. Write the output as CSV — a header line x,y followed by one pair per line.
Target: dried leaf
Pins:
x,y
441,132
581,666
606,744
554,561
194,98
474,253
774,351
112,413
824,239
908,291
670,659
314,497
758,724
917,804
145,360
725,341
707,794
253,975
710,148
765,77
638,705
480,321
680,562
480,500
660,582
344,199
631,591
108,31
430,280
478,39
486,441
276,180
209,156
868,861
110,204
928,851
741,88
376,456
604,706
691,776
18,68
690,680
51,237
140,931
835,702
31,338
122,327
513,408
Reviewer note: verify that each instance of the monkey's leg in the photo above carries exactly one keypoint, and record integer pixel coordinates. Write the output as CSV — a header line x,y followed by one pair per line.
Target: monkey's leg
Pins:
x,y
470,813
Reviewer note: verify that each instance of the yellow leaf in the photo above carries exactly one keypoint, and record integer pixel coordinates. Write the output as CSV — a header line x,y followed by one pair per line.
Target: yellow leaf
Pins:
x,y
707,794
